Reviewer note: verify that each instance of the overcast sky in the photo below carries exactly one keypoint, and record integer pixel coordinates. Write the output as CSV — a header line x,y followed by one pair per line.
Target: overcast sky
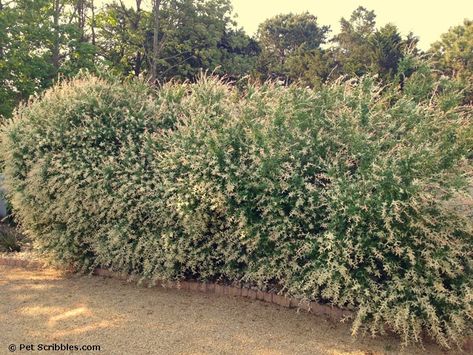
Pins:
x,y
428,19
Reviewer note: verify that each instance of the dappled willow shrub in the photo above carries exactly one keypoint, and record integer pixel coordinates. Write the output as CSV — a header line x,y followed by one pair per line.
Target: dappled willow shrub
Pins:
x,y
79,167
338,195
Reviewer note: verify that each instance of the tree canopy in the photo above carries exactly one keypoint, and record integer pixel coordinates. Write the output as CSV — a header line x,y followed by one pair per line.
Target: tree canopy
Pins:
x,y
42,40
453,55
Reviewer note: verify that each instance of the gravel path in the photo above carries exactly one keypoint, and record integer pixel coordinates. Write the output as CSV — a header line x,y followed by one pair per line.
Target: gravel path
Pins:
x,y
45,307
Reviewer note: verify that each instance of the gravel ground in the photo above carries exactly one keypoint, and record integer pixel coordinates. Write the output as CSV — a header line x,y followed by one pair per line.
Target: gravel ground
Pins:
x,y
45,307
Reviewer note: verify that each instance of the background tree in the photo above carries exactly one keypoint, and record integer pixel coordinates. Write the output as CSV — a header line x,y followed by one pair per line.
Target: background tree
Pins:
x,y
361,48
176,39
454,50
285,36
191,36
24,68
313,68
353,42
121,37
79,51
40,39
386,51
453,55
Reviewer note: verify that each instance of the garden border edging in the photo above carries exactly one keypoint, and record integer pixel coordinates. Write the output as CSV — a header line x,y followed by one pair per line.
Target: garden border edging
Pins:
x,y
332,312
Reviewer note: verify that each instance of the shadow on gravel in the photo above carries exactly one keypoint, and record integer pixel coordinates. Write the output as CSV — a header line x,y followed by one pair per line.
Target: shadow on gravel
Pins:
x,y
48,307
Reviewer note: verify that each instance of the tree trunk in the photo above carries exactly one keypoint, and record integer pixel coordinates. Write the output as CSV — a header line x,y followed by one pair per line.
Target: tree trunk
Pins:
x,y
55,49
135,25
80,7
138,63
1,47
155,53
92,25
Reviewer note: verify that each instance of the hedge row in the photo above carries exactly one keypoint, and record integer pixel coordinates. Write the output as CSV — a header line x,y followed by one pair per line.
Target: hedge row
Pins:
x,y
337,195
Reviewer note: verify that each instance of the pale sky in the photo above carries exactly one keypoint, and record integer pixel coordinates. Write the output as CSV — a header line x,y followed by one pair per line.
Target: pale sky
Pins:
x,y
428,19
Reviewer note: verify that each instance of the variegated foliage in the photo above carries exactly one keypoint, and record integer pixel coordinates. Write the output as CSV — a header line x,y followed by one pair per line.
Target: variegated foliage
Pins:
x,y
334,195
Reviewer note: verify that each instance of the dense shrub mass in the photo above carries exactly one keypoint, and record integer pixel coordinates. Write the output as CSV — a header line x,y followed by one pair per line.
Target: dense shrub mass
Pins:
x,y
338,195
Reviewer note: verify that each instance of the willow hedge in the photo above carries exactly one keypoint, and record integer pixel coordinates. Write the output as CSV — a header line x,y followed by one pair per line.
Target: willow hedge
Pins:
x,y
339,195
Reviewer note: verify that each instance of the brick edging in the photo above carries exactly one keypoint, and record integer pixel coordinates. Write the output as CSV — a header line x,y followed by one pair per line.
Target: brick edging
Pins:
x,y
332,312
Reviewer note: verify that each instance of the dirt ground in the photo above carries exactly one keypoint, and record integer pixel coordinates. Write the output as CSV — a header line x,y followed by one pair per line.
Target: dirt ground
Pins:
x,y
45,307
